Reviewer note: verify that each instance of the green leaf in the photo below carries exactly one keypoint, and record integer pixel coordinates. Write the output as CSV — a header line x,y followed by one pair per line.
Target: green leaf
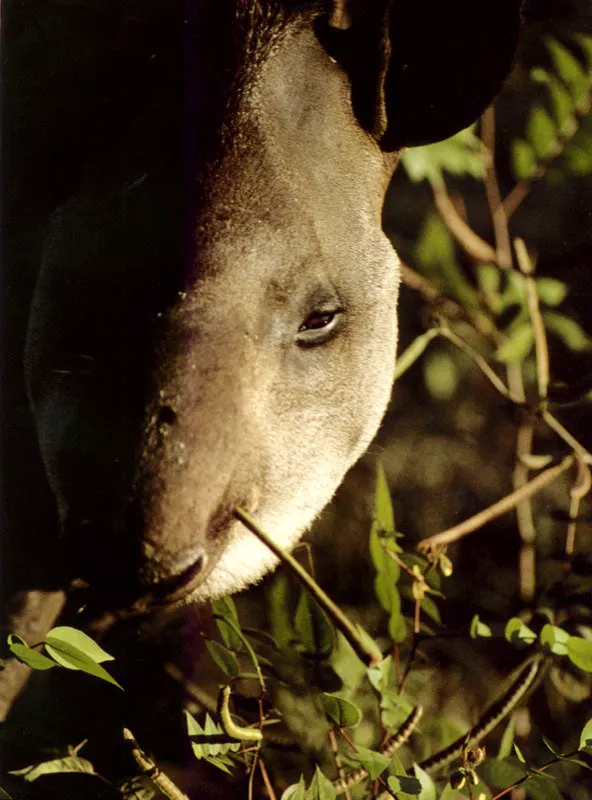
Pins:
x,y
562,103
415,350
523,159
517,633
502,773
568,330
542,787
320,788
14,638
224,658
227,621
540,131
375,763
430,609
519,753
312,627
458,155
585,42
579,652
210,741
568,67
295,792
518,345
405,784
490,278
440,375
551,292
555,639
383,506
342,713
4,794
578,157
26,655
505,748
479,629
80,641
586,735
67,764
428,787
69,656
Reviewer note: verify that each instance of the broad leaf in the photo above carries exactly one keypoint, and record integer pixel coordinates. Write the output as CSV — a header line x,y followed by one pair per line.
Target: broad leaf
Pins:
x,y
26,655
579,652
67,764
223,657
80,641
342,713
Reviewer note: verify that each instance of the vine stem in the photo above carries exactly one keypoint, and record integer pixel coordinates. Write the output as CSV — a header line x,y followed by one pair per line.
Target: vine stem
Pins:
x,y
367,650
149,768
496,510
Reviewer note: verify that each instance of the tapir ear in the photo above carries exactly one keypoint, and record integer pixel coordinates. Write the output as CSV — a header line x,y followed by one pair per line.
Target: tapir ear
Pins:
x,y
421,70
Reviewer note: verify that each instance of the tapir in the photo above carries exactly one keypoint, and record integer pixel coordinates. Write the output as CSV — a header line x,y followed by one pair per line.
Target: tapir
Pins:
x,y
214,322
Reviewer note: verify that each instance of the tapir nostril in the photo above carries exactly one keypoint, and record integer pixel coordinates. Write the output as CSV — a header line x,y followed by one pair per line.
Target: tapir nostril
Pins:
x,y
166,416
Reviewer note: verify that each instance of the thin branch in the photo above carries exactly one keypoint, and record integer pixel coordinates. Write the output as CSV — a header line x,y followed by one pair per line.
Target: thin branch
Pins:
x,y
149,768
492,192
481,362
580,488
266,781
476,247
507,503
538,325
567,437
367,651
339,764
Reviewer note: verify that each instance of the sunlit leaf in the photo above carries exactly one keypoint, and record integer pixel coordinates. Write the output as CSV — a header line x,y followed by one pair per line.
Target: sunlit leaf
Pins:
x,y
555,639
340,712
568,330
375,763
568,67
523,159
561,102
518,346
69,656
507,742
26,655
540,131
295,792
518,633
551,291
579,652
58,765
586,735
80,641
321,788
458,155
479,628
428,787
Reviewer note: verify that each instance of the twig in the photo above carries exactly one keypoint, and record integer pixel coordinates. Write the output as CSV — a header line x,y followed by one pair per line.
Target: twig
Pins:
x,y
481,362
439,540
538,326
567,437
472,243
492,192
266,781
524,512
149,768
578,491
368,652
339,764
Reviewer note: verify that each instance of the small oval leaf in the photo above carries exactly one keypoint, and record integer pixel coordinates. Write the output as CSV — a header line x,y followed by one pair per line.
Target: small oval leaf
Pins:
x,y
342,713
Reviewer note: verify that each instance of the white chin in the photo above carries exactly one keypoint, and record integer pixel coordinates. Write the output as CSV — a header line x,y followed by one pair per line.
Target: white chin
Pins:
x,y
245,561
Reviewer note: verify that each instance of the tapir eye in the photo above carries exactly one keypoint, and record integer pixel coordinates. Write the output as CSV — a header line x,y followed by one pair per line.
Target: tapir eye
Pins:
x,y
319,327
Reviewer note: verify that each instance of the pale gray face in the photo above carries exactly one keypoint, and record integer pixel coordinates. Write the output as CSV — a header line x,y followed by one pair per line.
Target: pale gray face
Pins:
x,y
220,330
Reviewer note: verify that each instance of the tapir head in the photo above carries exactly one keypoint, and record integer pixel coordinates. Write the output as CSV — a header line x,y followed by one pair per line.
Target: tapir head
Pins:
x,y
215,322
